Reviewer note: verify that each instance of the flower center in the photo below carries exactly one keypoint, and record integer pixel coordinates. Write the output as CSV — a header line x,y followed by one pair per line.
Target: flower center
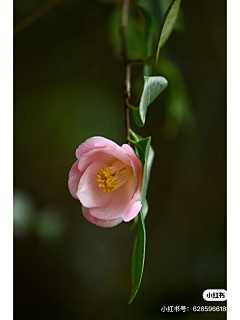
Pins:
x,y
113,177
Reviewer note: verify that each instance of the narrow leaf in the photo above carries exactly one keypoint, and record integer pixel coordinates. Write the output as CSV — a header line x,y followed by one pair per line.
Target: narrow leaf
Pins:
x,y
148,168
144,209
138,257
145,144
167,25
153,86
143,149
145,153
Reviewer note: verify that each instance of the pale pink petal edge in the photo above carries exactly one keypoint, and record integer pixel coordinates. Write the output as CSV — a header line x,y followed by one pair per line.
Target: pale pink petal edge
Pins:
x,y
132,212
135,162
93,143
108,154
99,222
73,179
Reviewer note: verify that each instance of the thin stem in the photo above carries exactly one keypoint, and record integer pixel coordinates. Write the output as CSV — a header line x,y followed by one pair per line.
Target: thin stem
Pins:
x,y
133,134
127,86
132,141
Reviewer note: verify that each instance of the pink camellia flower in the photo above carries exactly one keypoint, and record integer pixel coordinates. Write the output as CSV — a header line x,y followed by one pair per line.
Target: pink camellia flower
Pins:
x,y
107,179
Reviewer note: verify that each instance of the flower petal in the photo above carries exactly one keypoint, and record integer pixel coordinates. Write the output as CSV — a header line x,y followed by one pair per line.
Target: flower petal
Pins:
x,y
108,154
73,179
101,223
89,192
132,212
135,162
120,203
93,143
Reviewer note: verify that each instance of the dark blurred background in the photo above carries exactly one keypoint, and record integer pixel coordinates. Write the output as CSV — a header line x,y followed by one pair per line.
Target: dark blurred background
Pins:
x,y
69,80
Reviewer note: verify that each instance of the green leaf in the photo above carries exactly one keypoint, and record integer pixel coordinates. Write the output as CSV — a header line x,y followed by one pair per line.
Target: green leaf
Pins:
x,y
144,208
167,25
153,86
138,257
147,171
180,23
143,149
145,152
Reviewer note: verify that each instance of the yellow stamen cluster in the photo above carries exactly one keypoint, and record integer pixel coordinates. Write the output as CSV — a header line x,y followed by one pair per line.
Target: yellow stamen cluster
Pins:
x,y
105,177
